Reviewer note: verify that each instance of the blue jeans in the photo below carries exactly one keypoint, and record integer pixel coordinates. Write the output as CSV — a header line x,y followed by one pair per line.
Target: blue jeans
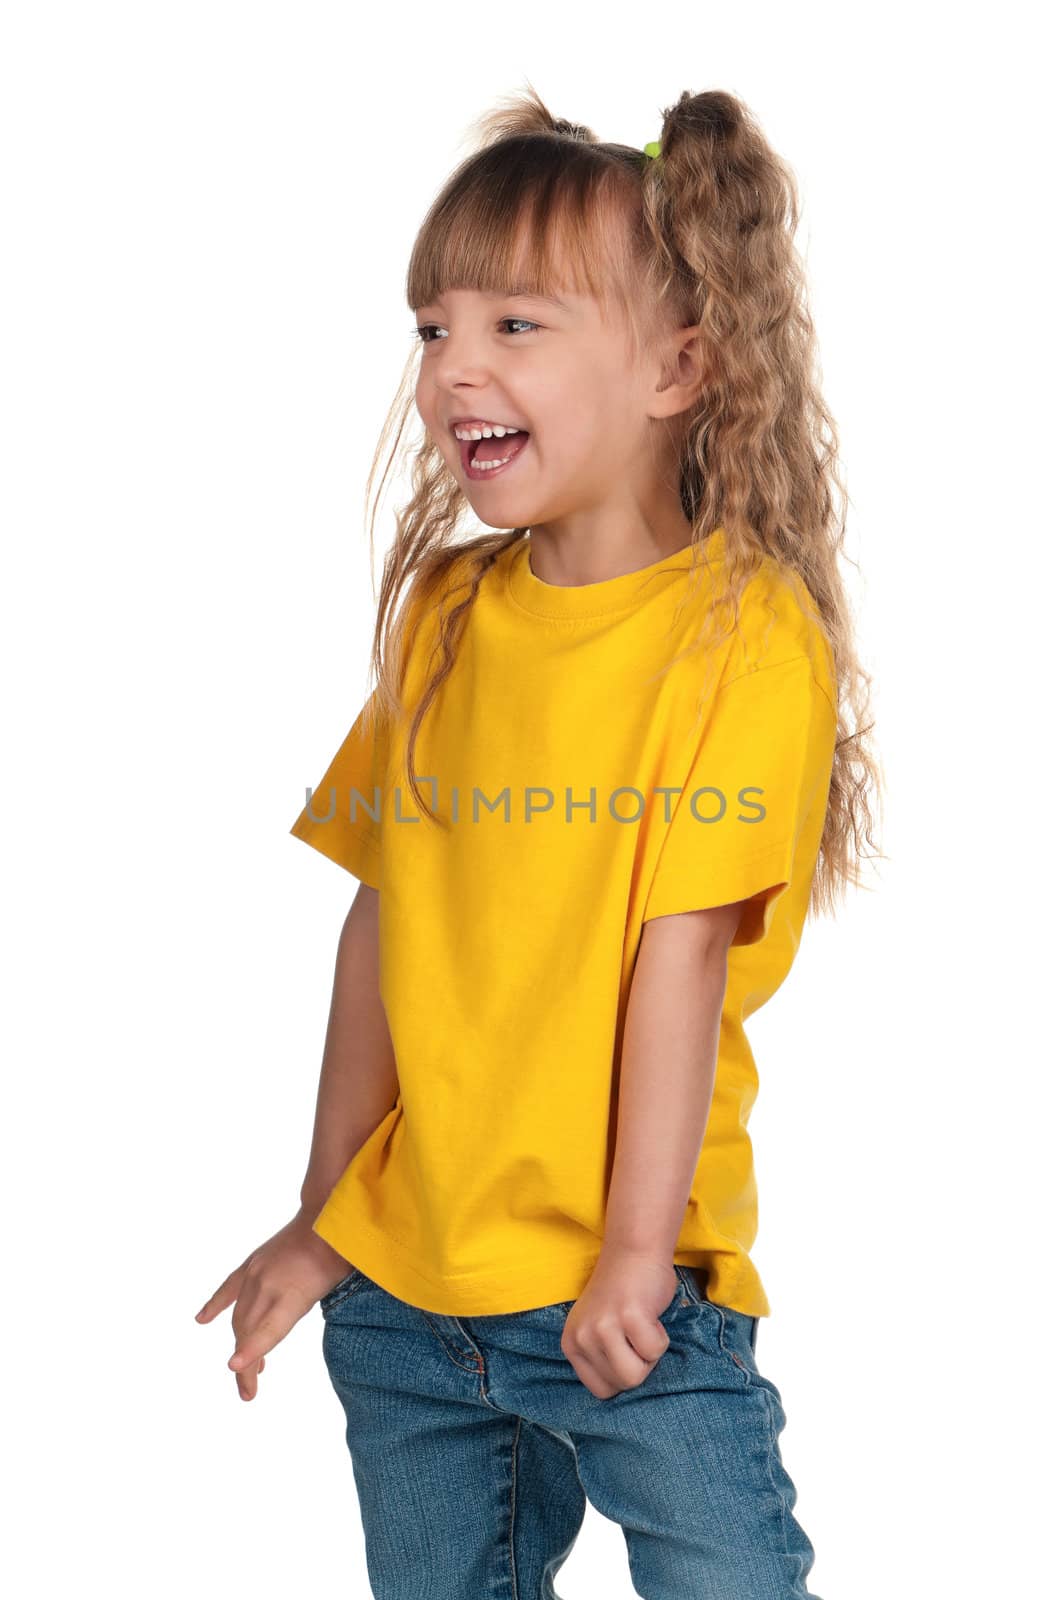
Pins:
x,y
475,1448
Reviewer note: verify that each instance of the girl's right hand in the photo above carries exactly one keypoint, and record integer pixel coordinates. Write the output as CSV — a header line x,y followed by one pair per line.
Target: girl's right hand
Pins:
x,y
272,1288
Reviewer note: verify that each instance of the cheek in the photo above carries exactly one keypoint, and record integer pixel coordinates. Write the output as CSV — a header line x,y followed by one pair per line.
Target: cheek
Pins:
x,y
436,432
588,440
580,416
425,398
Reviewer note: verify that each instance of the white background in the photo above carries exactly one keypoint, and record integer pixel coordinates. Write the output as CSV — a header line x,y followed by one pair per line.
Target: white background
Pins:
x,y
208,210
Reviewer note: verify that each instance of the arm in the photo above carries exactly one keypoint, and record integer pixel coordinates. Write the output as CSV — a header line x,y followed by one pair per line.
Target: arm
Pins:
x,y
668,1068
279,1281
358,1083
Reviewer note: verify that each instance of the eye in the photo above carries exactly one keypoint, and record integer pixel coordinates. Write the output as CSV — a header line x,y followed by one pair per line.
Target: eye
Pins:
x,y
423,331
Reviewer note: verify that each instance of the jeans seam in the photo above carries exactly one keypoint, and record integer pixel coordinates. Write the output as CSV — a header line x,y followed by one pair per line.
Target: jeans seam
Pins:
x,y
465,1360
721,1339
774,1454
513,1509
689,1284
354,1281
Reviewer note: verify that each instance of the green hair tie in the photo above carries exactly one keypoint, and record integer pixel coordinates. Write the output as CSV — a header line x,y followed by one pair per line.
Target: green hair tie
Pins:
x,y
652,149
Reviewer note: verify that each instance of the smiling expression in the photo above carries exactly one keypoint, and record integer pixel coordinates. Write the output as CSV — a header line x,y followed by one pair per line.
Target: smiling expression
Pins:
x,y
555,366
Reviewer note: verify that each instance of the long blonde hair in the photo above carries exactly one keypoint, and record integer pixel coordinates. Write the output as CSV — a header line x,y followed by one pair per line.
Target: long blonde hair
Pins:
x,y
701,235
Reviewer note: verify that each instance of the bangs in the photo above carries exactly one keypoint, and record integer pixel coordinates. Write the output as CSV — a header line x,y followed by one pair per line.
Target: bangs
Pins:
x,y
538,214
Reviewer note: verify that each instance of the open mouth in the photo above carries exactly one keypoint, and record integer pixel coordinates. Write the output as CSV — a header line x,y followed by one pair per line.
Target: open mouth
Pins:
x,y
504,451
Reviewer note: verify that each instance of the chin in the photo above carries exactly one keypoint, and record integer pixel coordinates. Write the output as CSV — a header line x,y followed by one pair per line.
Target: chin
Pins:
x,y
513,514
511,521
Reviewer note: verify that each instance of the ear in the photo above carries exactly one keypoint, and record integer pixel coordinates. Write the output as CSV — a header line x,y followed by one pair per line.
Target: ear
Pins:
x,y
683,371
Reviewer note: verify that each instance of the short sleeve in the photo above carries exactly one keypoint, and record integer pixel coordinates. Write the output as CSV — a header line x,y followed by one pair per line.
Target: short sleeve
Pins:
x,y
757,789
343,814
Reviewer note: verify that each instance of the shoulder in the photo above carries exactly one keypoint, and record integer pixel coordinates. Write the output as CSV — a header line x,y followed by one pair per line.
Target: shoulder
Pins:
x,y
445,578
436,587
779,623
431,583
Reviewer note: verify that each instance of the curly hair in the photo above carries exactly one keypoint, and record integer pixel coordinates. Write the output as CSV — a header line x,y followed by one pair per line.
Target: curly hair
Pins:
x,y
701,236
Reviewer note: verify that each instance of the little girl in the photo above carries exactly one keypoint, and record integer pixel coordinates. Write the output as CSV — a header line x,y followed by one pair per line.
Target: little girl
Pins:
x,y
613,754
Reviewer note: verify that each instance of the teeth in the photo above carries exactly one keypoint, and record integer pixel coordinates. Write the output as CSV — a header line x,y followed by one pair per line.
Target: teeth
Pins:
x,y
485,466
483,430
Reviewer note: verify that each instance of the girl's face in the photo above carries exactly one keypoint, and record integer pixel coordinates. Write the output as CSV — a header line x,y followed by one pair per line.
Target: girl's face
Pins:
x,y
562,373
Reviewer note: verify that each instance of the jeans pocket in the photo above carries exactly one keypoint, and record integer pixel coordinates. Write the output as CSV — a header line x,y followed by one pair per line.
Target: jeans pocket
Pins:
x,y
686,1293
340,1291
737,1336
694,1281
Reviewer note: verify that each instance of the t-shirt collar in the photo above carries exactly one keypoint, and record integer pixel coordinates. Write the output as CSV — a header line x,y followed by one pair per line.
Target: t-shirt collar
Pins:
x,y
622,593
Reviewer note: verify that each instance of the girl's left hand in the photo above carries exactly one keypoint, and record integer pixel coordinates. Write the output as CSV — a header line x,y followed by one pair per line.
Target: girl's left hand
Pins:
x,y
613,1336
270,1290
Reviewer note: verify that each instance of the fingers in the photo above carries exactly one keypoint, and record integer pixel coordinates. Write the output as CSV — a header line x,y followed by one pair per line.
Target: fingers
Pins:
x,y
268,1304
260,1335
223,1296
649,1341
247,1381
246,1366
587,1374
607,1363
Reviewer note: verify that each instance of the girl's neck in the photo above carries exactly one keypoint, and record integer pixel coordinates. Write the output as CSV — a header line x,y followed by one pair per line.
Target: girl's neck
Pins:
x,y
569,559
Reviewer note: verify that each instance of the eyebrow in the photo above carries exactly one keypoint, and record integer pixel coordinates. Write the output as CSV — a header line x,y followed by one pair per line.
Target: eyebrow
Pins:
x,y
520,291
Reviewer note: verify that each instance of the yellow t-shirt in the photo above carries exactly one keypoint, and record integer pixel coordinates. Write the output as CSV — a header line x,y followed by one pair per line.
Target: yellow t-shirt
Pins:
x,y
508,941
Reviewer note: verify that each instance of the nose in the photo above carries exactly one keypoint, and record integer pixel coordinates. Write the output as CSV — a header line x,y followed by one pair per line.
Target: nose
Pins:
x,y
461,362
